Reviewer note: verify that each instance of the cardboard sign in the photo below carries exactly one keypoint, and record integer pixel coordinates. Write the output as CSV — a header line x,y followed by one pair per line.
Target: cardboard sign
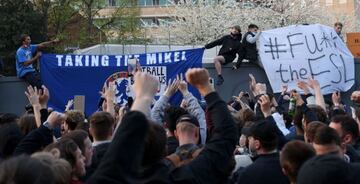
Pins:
x,y
300,52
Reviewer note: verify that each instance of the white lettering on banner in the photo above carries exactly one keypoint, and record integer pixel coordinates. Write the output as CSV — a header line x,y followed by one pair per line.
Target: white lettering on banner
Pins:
x,y
160,73
306,51
118,60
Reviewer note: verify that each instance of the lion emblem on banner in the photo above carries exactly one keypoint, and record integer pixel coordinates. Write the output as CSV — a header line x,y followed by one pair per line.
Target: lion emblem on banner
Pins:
x,y
123,87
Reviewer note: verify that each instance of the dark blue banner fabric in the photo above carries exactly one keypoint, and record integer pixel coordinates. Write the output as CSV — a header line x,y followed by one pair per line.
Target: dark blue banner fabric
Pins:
x,y
68,75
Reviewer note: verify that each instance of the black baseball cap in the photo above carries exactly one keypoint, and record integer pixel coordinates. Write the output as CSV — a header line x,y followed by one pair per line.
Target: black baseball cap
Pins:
x,y
264,131
189,119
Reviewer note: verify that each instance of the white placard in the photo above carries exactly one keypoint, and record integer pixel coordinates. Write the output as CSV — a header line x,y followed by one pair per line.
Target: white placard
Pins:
x,y
300,52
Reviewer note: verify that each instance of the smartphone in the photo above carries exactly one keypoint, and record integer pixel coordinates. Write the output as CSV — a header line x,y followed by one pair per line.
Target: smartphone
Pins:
x,y
132,65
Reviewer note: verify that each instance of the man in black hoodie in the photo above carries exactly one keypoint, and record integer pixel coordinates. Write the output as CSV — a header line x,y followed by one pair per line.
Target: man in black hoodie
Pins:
x,y
230,46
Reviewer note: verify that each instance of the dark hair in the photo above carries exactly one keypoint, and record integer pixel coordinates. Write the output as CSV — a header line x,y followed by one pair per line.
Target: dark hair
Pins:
x,y
67,148
23,37
293,155
246,115
10,136
326,135
102,124
155,145
338,24
23,169
348,125
27,123
320,114
78,136
8,118
253,26
74,119
265,133
171,115
311,130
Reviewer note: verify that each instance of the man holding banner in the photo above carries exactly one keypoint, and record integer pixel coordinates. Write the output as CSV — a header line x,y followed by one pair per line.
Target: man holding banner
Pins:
x,y
300,52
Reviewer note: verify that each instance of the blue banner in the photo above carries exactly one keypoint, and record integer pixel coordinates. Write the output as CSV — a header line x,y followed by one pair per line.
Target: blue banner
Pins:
x,y
68,75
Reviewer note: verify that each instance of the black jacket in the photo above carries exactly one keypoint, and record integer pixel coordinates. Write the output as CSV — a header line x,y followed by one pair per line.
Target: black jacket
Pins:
x,y
250,48
230,45
98,153
172,143
35,141
266,169
211,166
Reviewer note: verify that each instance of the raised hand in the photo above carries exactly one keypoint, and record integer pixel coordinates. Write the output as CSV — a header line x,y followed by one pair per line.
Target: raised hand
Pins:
x,y
172,87
336,98
199,78
303,86
69,104
313,84
260,88
33,95
265,105
44,97
183,86
145,88
238,98
55,118
56,40
284,89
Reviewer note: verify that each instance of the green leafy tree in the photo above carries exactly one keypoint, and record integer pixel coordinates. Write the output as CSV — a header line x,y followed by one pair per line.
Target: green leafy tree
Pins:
x,y
17,17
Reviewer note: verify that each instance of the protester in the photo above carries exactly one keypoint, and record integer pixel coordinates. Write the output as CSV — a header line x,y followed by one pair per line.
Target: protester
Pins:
x,y
101,129
338,26
70,152
293,156
263,142
249,50
230,45
25,59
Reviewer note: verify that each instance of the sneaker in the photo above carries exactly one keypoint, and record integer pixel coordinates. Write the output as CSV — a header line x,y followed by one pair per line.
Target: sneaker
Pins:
x,y
220,81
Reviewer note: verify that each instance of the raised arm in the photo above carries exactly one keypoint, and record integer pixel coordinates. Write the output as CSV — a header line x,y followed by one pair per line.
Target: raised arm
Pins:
x,y
319,98
125,152
40,137
157,112
215,43
194,108
253,39
33,96
209,166
46,44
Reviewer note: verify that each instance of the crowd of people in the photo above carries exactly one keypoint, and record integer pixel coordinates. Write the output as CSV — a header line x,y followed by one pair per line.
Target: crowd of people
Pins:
x,y
249,139
252,138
